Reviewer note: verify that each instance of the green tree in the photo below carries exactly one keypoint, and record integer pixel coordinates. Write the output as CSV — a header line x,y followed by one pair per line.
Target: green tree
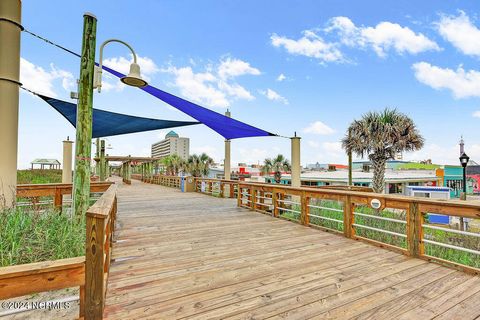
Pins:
x,y
173,164
276,165
380,136
198,165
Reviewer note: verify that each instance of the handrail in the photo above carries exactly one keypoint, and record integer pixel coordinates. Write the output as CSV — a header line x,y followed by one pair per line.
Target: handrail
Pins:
x,y
101,219
20,280
56,190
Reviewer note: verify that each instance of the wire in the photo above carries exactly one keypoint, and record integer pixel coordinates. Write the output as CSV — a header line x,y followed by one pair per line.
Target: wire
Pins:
x,y
28,90
52,43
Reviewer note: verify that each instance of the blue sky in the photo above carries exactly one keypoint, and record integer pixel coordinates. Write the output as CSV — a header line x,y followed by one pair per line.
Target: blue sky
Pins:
x,y
309,67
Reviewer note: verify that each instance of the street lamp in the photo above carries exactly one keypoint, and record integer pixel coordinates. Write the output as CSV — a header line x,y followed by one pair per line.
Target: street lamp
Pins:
x,y
133,78
464,161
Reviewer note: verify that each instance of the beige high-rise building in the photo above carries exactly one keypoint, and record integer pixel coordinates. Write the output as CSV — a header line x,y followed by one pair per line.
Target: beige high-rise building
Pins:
x,y
172,144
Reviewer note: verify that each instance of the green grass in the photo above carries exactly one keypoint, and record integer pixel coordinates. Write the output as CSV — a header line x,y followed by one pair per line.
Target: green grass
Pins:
x,y
418,166
38,176
27,236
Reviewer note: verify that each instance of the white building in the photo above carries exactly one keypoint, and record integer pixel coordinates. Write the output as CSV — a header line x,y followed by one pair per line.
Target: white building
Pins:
x,y
172,144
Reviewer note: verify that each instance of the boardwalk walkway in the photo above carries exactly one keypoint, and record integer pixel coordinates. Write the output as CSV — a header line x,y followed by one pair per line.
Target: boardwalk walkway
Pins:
x,y
191,256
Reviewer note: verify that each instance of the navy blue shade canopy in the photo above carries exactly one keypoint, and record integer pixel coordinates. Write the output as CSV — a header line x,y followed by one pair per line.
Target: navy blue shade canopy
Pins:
x,y
227,127
106,123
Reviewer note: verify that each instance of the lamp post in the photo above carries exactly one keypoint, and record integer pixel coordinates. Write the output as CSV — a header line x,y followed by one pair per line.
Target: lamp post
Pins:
x,y
91,78
464,161
133,78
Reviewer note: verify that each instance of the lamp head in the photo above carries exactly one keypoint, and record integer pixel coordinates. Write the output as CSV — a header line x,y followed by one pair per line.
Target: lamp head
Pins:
x,y
134,78
464,159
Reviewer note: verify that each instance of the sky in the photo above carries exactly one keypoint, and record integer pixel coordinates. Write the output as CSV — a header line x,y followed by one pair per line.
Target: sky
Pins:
x,y
304,67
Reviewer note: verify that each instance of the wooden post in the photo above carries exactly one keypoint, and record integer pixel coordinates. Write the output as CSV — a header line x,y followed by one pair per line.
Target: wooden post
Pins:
x,y
305,213
58,199
102,161
253,198
82,301
81,185
275,203
94,264
239,196
348,217
415,221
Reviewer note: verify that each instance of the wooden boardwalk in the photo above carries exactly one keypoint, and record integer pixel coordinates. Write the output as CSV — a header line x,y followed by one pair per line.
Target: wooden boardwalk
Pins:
x,y
191,256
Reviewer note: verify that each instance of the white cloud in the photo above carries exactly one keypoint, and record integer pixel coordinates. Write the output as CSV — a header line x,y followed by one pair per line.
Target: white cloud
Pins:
x,y
463,84
200,87
444,154
383,37
318,127
42,81
476,114
333,148
460,32
313,144
252,155
272,95
310,45
281,77
230,68
216,86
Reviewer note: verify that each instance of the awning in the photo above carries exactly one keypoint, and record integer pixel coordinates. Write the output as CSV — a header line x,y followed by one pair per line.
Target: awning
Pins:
x,y
227,127
106,123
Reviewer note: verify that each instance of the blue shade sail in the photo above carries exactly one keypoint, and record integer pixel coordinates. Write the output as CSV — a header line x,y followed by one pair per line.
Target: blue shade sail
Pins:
x,y
227,127
106,123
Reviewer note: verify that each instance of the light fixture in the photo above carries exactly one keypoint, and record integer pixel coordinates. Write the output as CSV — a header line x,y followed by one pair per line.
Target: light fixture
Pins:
x,y
133,78
464,159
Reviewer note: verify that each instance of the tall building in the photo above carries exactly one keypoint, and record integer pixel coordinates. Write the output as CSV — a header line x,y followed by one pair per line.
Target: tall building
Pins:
x,y
172,144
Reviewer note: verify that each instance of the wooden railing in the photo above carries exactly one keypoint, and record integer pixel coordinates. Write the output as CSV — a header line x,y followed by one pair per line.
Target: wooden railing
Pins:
x,y
101,219
20,280
399,223
55,191
217,187
167,181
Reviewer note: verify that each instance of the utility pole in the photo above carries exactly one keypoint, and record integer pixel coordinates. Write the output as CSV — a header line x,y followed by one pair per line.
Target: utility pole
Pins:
x,y
83,145
10,29
296,166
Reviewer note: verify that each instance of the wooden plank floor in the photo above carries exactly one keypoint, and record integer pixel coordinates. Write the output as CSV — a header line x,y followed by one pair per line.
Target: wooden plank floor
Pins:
x,y
191,256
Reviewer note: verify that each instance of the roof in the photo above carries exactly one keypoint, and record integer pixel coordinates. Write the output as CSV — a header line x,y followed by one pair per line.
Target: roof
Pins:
x,y
392,176
45,161
171,134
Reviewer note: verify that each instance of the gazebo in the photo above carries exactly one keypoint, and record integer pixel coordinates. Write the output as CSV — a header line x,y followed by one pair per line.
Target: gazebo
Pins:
x,y
43,163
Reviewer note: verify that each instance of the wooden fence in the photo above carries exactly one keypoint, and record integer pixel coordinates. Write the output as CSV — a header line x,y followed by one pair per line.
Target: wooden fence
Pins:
x,y
54,191
101,219
89,272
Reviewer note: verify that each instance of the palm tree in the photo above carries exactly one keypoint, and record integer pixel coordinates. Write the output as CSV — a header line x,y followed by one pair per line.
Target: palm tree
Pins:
x,y
380,136
173,164
198,165
276,165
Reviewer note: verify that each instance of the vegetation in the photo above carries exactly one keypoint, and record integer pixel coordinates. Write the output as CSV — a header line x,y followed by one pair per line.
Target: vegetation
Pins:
x,y
39,176
198,165
195,165
276,165
381,136
172,164
27,236
418,166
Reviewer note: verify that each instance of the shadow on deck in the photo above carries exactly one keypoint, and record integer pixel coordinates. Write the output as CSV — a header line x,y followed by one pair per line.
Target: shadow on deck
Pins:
x,y
191,256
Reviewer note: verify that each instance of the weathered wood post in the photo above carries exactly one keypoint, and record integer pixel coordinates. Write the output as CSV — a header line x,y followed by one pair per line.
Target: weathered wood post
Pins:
x,y
296,166
415,230
103,169
10,30
83,145
348,217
